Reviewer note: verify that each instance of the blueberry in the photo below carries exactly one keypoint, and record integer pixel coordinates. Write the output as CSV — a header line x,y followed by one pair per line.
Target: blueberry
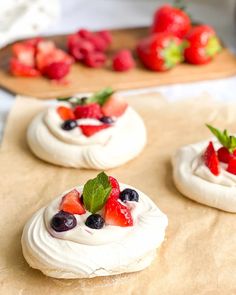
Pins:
x,y
63,221
95,221
82,199
129,194
69,125
107,120
83,100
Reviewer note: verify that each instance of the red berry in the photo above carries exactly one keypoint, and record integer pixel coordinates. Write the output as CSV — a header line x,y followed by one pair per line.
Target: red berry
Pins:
x,y
232,165
81,49
84,33
117,213
211,160
95,59
21,70
123,61
115,192
57,70
99,43
24,53
172,20
71,203
114,107
224,155
92,110
106,35
202,45
89,130
65,113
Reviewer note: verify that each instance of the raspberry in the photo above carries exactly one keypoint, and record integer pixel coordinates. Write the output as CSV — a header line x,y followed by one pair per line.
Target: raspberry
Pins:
x,y
106,35
95,59
57,70
81,49
123,61
99,43
84,33
92,110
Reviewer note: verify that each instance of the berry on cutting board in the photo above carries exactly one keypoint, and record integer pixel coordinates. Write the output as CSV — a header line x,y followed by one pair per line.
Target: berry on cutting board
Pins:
x,y
170,19
123,61
211,160
95,221
160,51
202,45
56,70
19,69
117,214
63,221
95,59
71,203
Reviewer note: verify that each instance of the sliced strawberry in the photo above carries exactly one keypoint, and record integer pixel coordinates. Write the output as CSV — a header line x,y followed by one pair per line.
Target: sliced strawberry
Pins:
x,y
211,160
92,110
115,192
89,130
117,213
20,70
33,41
57,70
232,165
46,46
224,155
71,203
24,53
65,113
114,106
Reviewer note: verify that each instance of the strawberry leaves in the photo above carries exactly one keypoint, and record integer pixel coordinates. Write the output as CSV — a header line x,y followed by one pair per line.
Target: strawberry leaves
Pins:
x,y
228,141
96,192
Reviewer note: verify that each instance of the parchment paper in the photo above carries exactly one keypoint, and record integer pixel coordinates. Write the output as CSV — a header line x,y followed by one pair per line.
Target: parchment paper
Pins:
x,y
199,253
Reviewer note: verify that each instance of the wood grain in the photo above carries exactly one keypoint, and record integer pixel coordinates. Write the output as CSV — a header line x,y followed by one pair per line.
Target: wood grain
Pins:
x,y
84,79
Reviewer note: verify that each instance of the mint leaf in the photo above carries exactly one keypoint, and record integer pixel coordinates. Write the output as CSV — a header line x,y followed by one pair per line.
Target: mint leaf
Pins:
x,y
96,192
101,97
228,141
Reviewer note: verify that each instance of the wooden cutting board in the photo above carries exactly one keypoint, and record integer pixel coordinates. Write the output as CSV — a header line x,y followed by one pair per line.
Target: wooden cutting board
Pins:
x,y
84,79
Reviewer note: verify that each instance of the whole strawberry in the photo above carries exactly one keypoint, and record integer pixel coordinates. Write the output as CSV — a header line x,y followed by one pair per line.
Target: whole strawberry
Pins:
x,y
161,51
171,20
202,45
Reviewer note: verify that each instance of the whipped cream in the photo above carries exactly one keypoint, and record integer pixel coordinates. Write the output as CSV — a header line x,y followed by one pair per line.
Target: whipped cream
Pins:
x,y
194,179
83,252
107,148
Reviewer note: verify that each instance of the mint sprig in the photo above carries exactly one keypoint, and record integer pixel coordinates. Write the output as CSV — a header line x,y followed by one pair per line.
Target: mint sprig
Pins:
x,y
96,192
228,141
99,97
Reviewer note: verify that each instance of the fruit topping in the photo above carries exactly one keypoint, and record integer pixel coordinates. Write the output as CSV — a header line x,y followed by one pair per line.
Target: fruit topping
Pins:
x,y
96,192
63,221
56,70
211,160
123,61
69,125
115,191
202,45
232,165
95,221
160,51
89,130
106,120
224,155
228,141
65,113
172,20
21,70
71,203
115,106
92,110
129,195
117,213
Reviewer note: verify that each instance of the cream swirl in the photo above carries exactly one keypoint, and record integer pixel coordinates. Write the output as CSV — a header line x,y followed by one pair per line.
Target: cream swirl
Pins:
x,y
108,148
110,250
194,179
